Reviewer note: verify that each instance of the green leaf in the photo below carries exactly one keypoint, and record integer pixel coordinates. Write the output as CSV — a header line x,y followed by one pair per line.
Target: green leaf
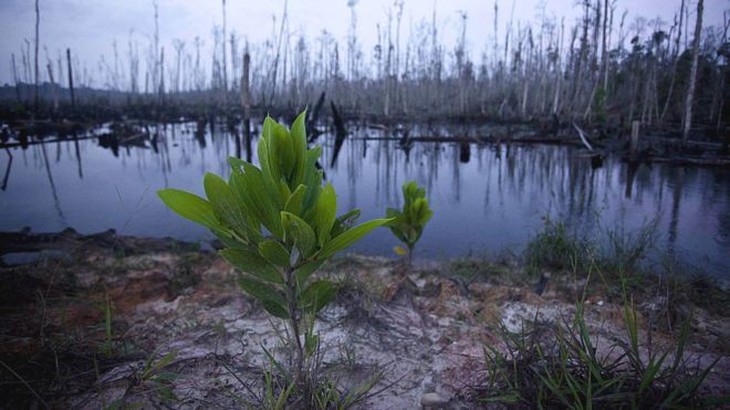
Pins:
x,y
275,308
271,299
274,252
311,343
294,203
191,207
165,360
345,222
165,377
228,209
263,150
304,271
253,190
229,241
236,164
284,191
421,212
299,231
349,237
299,141
252,262
393,213
312,179
325,214
318,295
281,152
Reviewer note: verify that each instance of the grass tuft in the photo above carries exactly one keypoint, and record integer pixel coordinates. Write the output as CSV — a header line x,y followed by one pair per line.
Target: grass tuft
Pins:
x,y
561,365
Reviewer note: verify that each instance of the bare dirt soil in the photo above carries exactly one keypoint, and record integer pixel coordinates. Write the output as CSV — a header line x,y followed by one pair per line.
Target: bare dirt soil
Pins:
x,y
97,321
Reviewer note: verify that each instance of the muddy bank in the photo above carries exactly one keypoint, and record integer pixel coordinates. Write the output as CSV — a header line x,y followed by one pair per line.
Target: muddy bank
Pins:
x,y
87,321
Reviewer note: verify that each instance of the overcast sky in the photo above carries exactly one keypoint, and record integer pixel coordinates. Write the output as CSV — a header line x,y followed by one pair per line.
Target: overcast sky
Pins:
x,y
89,27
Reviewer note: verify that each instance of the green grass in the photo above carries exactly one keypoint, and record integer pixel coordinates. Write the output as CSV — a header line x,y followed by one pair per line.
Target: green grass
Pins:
x,y
615,252
558,365
558,249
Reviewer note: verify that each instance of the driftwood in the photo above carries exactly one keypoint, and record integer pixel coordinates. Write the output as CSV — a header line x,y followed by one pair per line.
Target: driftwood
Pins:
x,y
583,138
7,170
44,141
340,132
314,117
464,152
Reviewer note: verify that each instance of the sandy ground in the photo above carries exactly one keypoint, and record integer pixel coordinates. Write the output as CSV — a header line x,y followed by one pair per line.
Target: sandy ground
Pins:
x,y
91,322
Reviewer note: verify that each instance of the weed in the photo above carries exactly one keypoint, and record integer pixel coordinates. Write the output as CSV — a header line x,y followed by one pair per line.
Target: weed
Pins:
x,y
155,377
107,346
625,249
561,366
554,247
276,388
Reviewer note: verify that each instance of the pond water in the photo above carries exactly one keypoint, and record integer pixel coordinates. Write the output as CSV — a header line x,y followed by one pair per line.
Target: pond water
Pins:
x,y
486,197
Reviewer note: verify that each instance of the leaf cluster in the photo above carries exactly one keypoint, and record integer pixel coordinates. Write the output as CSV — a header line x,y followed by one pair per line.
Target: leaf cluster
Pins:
x,y
277,221
408,224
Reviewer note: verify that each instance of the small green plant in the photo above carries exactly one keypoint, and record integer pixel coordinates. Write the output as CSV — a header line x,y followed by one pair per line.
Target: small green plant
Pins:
x,y
279,225
555,247
560,365
407,224
108,346
154,377
159,379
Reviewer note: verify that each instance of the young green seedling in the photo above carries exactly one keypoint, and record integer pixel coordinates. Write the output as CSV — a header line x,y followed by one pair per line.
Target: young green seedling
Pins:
x,y
407,224
279,225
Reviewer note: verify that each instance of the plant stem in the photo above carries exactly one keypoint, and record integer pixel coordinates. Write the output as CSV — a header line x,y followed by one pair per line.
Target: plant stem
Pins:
x,y
294,318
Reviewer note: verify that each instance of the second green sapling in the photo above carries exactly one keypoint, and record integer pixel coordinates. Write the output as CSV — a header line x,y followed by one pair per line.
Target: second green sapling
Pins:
x,y
408,224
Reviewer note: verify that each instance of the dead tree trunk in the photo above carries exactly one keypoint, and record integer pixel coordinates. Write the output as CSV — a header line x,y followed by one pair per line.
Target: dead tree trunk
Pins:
x,y
558,70
161,94
225,65
340,132
37,41
246,102
16,79
54,91
693,73
314,116
673,76
71,78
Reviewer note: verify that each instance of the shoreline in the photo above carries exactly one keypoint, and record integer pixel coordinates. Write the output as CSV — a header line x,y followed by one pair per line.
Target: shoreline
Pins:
x,y
26,246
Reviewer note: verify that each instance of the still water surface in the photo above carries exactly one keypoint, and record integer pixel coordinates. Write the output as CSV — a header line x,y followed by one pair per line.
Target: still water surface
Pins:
x,y
491,200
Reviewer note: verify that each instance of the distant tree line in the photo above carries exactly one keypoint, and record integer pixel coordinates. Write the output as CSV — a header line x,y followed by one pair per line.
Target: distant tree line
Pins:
x,y
599,69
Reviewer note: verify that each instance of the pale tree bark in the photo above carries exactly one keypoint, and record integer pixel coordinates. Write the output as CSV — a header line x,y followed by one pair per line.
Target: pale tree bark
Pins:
x,y
723,74
607,22
673,77
37,41
277,57
225,65
693,73
70,78
16,79
558,69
